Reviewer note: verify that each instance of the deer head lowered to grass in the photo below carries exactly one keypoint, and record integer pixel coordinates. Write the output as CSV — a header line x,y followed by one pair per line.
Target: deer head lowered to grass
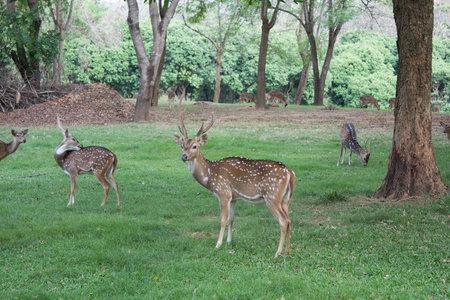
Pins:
x,y
446,129
348,141
9,148
233,178
75,159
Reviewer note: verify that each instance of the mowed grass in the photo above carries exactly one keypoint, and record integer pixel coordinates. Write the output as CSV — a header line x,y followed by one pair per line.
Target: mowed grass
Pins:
x,y
160,243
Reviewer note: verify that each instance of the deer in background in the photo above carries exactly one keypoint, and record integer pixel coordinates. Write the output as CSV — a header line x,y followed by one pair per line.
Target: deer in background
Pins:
x,y
75,159
171,97
9,148
369,100
276,96
391,103
348,140
446,129
246,97
233,178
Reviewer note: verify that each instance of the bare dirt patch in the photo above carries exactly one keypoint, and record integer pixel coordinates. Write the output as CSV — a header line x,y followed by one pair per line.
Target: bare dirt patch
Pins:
x,y
97,104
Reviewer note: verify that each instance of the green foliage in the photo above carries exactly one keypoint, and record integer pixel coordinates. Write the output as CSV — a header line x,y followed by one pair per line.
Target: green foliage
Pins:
x,y
363,63
440,76
161,242
17,30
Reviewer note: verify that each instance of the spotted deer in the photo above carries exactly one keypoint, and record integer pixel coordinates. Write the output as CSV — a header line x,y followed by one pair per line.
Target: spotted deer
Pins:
x,y
233,178
171,97
348,140
391,103
75,159
245,98
446,129
9,148
369,100
274,97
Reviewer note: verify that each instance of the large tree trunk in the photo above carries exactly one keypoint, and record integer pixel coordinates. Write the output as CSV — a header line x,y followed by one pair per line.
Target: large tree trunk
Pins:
x,y
149,67
412,167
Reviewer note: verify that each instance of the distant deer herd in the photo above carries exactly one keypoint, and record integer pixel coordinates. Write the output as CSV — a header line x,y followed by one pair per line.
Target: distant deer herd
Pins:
x,y
256,181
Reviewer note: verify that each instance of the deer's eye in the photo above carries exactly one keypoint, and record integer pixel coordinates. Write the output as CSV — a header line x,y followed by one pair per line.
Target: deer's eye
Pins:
x,y
194,147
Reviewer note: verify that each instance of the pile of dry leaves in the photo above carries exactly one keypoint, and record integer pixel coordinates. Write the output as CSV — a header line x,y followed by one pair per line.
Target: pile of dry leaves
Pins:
x,y
85,105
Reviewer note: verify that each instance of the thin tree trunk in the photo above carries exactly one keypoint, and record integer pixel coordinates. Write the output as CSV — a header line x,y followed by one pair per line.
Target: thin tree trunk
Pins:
x,y
302,84
217,86
265,29
412,169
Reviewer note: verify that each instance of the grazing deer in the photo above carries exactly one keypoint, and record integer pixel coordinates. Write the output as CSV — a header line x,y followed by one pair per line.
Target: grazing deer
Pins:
x,y
246,97
9,148
369,100
75,159
446,129
233,178
171,97
436,108
276,96
348,140
391,103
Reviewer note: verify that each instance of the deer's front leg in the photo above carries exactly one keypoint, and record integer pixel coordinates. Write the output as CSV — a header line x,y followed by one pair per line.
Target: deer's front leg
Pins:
x,y
73,183
232,209
349,157
224,205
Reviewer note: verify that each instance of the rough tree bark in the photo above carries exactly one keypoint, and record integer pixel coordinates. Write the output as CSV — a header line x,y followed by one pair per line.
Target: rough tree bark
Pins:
x,y
261,79
412,167
148,67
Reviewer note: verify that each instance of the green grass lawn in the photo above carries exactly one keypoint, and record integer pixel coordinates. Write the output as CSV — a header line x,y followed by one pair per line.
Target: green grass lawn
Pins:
x,y
161,242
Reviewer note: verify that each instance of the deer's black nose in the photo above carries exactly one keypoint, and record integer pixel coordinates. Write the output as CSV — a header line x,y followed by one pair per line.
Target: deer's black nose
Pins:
x,y
184,157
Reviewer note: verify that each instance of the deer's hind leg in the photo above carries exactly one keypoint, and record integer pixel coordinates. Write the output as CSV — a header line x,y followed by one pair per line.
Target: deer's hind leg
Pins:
x,y
282,216
111,179
101,176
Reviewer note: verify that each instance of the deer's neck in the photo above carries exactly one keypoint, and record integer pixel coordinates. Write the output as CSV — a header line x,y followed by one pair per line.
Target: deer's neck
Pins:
x,y
12,146
60,155
200,168
357,149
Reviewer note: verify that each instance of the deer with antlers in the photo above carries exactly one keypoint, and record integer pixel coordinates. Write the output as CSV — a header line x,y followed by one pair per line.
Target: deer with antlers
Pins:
x,y
233,178
9,148
348,141
74,159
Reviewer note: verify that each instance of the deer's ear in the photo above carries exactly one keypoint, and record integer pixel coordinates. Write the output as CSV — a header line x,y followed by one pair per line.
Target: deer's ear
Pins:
x,y
202,139
178,140
25,131
13,132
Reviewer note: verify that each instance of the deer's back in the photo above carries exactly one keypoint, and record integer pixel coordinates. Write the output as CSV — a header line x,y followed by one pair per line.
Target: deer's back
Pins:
x,y
348,134
88,159
248,177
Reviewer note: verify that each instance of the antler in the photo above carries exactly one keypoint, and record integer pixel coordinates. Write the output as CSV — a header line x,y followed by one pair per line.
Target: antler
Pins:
x,y
60,126
182,128
365,145
202,131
